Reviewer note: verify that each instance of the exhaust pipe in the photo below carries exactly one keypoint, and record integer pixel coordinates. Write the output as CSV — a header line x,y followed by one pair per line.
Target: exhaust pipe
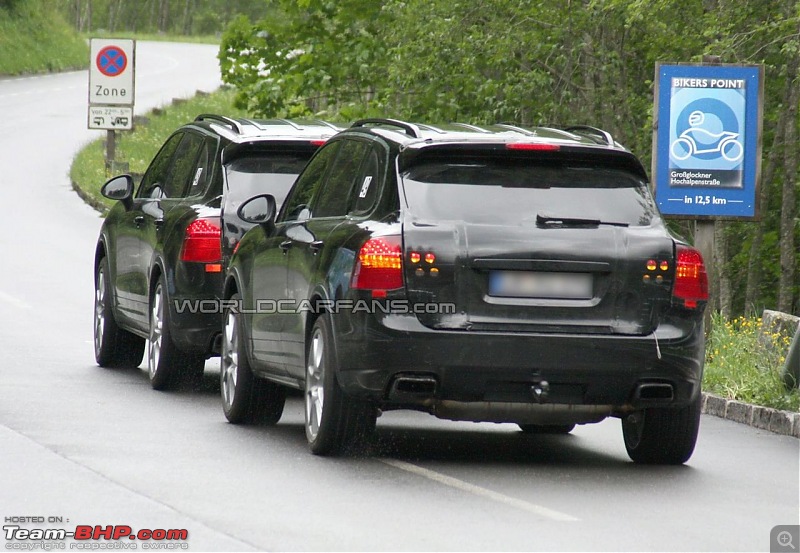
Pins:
x,y
654,392
413,388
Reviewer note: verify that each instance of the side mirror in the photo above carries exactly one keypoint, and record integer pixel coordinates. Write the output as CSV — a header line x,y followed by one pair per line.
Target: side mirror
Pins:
x,y
119,188
258,210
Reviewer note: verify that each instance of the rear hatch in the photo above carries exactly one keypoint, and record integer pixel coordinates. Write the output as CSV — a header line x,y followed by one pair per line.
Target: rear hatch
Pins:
x,y
533,242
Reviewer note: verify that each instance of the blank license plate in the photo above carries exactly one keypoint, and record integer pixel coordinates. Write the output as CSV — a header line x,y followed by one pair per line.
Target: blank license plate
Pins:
x,y
529,284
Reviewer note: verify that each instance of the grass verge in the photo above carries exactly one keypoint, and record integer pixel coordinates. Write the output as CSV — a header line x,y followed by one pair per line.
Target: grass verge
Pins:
x,y
34,42
138,147
739,367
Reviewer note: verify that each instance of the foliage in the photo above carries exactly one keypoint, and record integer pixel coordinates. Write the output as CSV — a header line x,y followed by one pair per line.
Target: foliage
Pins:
x,y
32,40
186,17
739,367
307,57
138,147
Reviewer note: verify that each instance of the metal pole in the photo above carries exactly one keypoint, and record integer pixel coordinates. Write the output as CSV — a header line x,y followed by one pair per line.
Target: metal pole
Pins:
x,y
704,242
111,148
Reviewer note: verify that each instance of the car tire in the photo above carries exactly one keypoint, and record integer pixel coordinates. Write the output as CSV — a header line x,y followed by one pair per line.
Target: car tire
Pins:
x,y
167,366
662,436
334,422
546,428
245,397
114,347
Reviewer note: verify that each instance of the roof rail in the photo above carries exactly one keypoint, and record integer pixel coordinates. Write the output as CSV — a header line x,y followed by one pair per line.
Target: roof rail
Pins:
x,y
326,124
291,123
592,131
431,128
408,128
221,119
471,127
515,129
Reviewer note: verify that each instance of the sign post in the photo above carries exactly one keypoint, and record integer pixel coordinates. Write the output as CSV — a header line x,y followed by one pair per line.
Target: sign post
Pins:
x,y
707,145
112,67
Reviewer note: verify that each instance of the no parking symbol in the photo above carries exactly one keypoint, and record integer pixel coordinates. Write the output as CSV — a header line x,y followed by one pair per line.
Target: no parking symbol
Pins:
x,y
112,61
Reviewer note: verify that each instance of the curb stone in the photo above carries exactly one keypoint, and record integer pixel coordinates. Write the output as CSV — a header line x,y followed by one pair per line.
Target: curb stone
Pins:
x,y
96,204
765,418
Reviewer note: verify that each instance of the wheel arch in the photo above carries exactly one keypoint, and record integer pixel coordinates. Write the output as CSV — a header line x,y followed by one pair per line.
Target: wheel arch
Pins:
x,y
320,293
100,252
155,273
231,286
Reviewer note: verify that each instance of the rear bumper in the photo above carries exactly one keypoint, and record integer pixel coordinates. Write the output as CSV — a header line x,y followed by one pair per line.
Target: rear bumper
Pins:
x,y
195,310
458,374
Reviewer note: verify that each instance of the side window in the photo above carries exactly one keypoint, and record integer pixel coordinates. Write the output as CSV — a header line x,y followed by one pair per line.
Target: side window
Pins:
x,y
368,185
334,196
152,185
298,204
184,165
202,170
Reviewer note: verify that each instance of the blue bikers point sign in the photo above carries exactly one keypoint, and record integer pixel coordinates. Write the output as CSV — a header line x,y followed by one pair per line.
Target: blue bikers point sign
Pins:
x,y
707,140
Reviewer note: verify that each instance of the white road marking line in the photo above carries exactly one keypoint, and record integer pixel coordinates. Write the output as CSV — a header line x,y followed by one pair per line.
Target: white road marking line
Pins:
x,y
538,510
16,302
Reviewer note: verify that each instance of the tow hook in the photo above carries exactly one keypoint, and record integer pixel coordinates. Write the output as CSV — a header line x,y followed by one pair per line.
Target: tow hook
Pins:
x,y
540,391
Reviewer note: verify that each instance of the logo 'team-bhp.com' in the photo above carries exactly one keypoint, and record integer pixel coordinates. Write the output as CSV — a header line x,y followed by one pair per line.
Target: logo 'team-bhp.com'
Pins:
x,y
112,537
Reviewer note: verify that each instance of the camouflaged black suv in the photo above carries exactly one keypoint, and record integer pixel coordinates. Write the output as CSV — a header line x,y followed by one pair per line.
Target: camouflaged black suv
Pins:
x,y
163,248
477,273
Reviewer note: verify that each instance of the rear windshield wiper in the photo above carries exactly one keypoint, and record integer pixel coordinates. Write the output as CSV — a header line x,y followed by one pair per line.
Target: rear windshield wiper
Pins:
x,y
545,221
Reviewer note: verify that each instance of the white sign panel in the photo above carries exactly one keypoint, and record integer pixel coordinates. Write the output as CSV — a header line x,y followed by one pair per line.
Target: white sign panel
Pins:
x,y
111,71
111,118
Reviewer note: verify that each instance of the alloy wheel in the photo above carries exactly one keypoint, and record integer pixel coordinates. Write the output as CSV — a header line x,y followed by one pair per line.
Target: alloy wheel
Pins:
x,y
315,389
230,360
99,310
156,332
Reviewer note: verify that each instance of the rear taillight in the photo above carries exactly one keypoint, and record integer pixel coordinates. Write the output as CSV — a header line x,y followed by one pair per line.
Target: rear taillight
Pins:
x,y
533,146
691,280
202,242
379,265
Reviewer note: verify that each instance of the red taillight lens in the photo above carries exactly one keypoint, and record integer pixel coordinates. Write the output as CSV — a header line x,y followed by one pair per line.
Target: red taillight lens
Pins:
x,y
379,265
534,146
691,280
202,242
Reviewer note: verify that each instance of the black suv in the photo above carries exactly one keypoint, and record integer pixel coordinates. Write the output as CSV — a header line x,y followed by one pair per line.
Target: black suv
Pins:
x,y
494,273
160,257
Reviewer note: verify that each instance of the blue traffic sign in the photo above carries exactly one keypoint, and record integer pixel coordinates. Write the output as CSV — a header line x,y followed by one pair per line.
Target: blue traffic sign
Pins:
x,y
707,148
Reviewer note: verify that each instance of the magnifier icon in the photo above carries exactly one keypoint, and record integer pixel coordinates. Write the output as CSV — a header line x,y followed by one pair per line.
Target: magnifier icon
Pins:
x,y
785,540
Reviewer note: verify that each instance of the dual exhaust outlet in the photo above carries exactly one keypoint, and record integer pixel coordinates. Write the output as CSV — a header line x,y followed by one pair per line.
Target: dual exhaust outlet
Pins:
x,y
421,387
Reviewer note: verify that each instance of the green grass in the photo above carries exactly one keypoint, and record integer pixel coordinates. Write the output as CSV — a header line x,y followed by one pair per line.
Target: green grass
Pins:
x,y
32,41
138,147
739,367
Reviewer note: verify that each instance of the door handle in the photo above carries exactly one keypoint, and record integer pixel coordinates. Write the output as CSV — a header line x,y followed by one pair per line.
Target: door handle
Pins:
x,y
138,220
158,223
285,245
316,246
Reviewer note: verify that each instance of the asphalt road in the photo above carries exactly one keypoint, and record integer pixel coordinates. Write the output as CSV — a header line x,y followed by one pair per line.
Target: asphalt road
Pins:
x,y
99,447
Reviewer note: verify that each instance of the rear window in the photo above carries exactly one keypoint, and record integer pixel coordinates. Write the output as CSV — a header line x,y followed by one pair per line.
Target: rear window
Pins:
x,y
511,191
263,174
